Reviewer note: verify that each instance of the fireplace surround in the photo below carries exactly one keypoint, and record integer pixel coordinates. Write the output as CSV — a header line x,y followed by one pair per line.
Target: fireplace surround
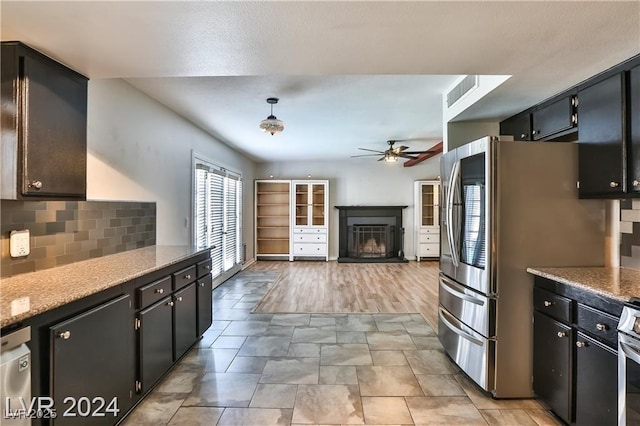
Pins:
x,y
370,234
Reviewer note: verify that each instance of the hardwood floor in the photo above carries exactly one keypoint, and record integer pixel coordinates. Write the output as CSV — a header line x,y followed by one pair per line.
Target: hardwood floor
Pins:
x,y
332,287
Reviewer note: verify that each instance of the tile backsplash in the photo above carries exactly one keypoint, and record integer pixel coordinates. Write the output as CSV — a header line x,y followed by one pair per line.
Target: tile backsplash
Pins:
x,y
630,233
64,232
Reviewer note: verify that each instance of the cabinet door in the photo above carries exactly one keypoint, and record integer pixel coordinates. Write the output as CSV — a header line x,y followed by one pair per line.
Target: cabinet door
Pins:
x,y
155,342
318,205
92,360
518,126
596,383
634,114
428,205
184,320
205,305
552,345
601,138
301,191
553,118
54,123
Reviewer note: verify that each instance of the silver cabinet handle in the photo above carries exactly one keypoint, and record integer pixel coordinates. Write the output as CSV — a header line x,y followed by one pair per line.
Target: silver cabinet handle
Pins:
x,y
207,267
201,284
547,303
636,182
601,327
65,335
562,334
613,184
179,299
170,303
160,291
187,277
523,136
36,184
581,344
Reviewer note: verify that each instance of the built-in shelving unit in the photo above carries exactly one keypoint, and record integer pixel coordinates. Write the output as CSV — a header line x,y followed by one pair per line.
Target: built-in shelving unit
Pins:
x,y
273,217
427,218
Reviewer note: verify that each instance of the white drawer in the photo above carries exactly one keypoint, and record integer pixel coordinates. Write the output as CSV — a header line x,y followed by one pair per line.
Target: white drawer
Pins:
x,y
309,230
310,238
430,230
429,250
309,249
429,238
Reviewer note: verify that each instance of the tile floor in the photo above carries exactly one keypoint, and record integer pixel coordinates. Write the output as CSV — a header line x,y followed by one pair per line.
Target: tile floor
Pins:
x,y
329,369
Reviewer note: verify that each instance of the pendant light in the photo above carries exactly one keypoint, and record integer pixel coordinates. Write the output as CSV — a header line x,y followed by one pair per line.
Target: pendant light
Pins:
x,y
271,124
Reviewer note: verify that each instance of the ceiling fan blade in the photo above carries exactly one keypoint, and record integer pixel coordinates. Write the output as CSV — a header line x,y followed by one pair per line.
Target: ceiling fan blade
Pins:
x,y
381,159
405,155
365,155
372,150
400,149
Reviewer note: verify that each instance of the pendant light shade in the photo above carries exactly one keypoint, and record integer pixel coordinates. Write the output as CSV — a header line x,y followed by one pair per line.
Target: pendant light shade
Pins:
x,y
271,124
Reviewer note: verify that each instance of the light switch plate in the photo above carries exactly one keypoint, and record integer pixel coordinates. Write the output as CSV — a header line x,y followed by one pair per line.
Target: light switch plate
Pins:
x,y
19,243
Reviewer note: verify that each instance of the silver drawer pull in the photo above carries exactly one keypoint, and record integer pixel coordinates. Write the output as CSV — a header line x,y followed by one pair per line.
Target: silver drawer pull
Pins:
x,y
613,184
160,291
169,303
179,299
581,344
547,303
64,335
601,327
201,284
36,184
187,277
207,267
562,334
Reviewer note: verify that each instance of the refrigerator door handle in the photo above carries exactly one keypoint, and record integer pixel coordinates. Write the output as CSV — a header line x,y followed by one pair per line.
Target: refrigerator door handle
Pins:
x,y
458,291
457,330
453,182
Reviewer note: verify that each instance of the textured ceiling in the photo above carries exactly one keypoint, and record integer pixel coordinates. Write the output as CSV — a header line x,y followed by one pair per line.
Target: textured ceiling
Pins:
x,y
349,74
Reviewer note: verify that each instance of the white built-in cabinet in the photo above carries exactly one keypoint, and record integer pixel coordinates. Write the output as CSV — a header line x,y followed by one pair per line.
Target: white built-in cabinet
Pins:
x,y
292,219
427,218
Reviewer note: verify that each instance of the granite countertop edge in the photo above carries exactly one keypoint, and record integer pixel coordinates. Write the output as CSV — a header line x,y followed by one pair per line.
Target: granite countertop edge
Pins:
x,y
82,279
617,283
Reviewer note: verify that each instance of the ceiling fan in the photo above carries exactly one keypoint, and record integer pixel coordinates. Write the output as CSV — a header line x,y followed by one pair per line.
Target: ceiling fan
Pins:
x,y
392,154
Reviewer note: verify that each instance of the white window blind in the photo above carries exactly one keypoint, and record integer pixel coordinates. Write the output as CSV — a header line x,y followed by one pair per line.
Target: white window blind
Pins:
x,y
218,206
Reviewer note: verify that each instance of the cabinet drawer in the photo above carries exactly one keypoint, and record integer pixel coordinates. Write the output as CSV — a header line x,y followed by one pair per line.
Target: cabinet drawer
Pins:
x,y
309,249
429,250
551,304
153,292
431,230
203,268
598,323
309,230
310,238
429,238
184,277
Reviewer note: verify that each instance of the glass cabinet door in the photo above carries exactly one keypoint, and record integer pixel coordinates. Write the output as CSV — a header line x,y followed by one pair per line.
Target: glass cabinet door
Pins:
x,y
428,205
302,204
317,203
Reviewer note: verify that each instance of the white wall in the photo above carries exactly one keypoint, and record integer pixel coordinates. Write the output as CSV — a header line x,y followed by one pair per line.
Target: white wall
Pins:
x,y
360,182
139,150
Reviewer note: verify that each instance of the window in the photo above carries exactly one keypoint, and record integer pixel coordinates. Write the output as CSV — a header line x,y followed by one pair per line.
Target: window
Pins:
x,y
218,214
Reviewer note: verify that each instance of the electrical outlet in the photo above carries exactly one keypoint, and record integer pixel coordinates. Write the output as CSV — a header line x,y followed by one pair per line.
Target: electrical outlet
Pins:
x,y
19,243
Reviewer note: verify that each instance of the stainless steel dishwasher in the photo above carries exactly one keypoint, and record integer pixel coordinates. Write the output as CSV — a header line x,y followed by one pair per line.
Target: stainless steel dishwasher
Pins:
x,y
15,376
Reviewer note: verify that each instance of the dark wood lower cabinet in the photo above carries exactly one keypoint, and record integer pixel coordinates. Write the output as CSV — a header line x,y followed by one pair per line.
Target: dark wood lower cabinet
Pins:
x,y
596,382
552,366
93,365
155,342
184,320
205,303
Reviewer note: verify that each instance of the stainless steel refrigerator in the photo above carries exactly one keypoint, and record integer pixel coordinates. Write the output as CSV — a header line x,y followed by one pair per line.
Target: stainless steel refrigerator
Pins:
x,y
506,206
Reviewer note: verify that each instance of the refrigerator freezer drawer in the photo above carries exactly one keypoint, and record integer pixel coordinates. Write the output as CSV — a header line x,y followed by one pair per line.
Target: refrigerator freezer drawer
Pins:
x,y
473,353
472,308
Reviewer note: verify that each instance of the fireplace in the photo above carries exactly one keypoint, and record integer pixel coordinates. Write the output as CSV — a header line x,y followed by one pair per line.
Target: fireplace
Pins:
x,y
370,234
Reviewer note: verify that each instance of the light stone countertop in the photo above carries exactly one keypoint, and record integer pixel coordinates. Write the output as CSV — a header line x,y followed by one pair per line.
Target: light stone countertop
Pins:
x,y
617,283
27,295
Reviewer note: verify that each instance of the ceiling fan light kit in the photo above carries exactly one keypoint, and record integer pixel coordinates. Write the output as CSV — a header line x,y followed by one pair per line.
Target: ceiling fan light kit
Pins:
x,y
271,124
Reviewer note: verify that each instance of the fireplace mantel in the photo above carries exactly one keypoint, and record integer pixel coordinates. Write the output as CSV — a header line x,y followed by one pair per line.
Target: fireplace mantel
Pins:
x,y
370,215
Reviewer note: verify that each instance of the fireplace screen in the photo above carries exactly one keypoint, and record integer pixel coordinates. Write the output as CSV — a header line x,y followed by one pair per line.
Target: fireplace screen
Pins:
x,y
367,241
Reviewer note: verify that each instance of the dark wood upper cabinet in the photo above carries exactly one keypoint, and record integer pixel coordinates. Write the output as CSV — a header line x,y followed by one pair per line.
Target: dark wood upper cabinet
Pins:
x,y
44,127
602,138
518,126
554,118
634,133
